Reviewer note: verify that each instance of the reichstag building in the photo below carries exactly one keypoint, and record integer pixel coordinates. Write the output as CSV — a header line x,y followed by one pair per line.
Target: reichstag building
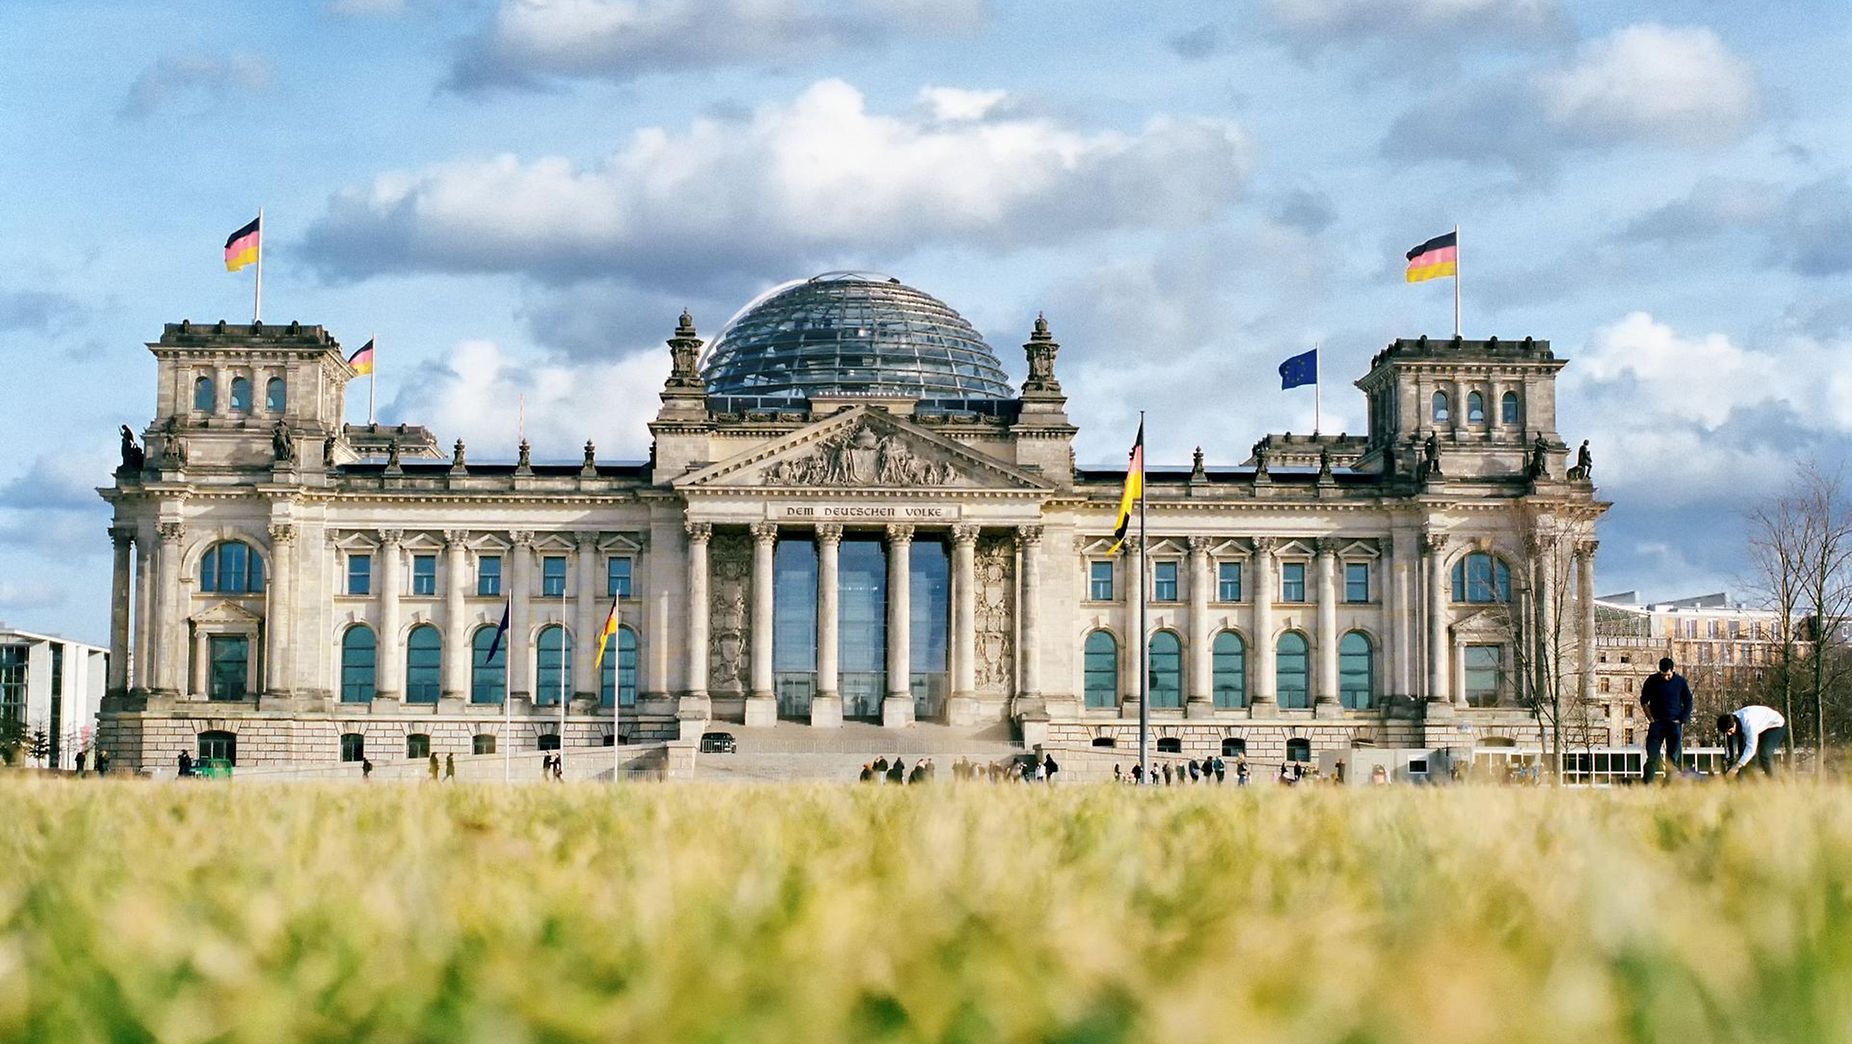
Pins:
x,y
848,513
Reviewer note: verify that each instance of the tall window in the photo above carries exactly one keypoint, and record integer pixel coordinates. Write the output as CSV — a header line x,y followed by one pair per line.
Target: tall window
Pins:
x,y
231,568
861,609
1166,670
424,661
418,745
1475,408
553,663
13,685
1442,413
553,576
1356,670
1290,671
1480,577
1485,674
488,675
229,676
241,395
1292,582
1101,682
1164,582
1099,581
794,625
1508,408
1229,666
1228,582
204,397
424,575
353,747
489,575
274,398
359,657
617,577
619,673
1356,581
359,574
217,745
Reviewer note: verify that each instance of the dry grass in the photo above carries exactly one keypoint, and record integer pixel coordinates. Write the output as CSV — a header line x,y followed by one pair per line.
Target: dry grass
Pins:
x,y
209,912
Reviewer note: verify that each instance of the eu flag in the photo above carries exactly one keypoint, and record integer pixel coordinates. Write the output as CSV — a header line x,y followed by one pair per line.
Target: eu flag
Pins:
x,y
1299,370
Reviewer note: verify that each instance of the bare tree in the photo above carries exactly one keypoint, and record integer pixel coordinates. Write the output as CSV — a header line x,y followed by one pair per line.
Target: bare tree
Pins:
x,y
1775,542
1544,632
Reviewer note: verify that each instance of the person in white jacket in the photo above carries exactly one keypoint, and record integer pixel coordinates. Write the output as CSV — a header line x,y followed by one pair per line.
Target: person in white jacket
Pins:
x,y
1755,732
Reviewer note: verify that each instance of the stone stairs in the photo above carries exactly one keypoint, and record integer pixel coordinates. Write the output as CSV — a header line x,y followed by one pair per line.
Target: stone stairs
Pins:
x,y
790,751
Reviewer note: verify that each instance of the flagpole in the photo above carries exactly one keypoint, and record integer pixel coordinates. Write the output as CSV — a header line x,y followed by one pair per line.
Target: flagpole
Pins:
x,y
507,709
257,306
1456,281
1318,412
562,679
373,377
1144,648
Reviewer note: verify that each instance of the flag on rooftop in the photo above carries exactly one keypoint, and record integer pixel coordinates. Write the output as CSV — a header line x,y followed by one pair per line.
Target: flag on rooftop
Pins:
x,y
241,249
1299,370
1435,258
362,359
1134,489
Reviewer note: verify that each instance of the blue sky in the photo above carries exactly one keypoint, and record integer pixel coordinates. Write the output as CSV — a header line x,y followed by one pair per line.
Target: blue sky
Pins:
x,y
519,196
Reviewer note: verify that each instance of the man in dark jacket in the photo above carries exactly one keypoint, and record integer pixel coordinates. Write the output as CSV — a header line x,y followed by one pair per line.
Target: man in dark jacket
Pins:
x,y
1667,700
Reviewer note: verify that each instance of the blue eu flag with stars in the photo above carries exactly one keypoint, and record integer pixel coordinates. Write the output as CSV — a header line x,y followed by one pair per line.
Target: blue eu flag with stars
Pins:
x,y
1299,370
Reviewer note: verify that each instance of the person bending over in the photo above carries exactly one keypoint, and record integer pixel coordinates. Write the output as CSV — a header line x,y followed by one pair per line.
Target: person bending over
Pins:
x,y
1755,732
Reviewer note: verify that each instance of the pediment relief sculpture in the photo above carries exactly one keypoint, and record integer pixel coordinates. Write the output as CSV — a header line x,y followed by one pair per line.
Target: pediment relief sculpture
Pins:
x,y
861,456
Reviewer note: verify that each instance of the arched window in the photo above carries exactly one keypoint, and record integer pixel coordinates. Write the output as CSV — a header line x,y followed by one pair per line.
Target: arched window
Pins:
x,y
618,678
1234,747
353,746
1170,745
1298,750
274,398
231,567
359,656
1105,741
1442,413
1230,670
424,660
1102,670
553,663
1166,670
241,395
418,745
488,675
483,743
1290,669
218,745
1508,408
204,398
1475,408
1356,670
1480,577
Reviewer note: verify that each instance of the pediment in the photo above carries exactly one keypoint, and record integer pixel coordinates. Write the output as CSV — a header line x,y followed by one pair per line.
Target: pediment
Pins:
x,y
1490,622
862,449
227,614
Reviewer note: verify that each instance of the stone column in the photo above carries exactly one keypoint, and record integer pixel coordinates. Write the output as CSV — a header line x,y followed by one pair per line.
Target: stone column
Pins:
x,y
762,699
1440,653
961,709
168,640
199,678
1135,649
454,683
389,673
1029,613
1585,593
588,621
280,621
1265,688
124,540
519,641
221,391
1200,679
897,705
1548,646
826,704
141,671
1325,678
699,534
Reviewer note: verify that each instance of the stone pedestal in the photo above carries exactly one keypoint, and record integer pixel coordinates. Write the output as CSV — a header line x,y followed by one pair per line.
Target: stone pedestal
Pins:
x,y
761,712
1327,711
897,713
1196,709
826,711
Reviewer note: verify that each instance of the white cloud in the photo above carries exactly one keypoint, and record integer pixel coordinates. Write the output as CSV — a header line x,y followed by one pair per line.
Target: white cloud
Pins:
x,y
818,179
622,39
955,104
1667,83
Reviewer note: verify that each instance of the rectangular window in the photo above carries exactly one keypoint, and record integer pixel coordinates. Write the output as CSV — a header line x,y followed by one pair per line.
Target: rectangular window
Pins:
x,y
617,577
229,678
1228,582
1356,581
424,575
1164,582
1099,581
359,574
489,575
1485,674
553,576
1292,582
13,685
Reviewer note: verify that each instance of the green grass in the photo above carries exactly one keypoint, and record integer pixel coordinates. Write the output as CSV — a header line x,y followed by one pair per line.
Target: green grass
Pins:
x,y
689,913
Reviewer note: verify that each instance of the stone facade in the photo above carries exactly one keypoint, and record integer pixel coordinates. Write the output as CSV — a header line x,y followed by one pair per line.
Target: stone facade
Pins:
x,y
1406,587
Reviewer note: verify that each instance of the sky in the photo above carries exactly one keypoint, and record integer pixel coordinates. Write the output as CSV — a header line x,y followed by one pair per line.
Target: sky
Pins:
x,y
518,197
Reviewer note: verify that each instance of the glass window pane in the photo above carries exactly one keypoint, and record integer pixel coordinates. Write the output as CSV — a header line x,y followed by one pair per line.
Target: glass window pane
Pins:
x,y
1292,582
553,666
1101,670
617,578
230,668
489,575
424,658
1230,675
359,574
488,675
1291,671
861,604
1356,582
1165,582
553,576
1484,671
424,575
1356,671
359,657
1100,581
1166,670
1229,582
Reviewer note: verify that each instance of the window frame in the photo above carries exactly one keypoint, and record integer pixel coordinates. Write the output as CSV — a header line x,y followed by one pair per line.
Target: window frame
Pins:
x,y
618,584
1303,698
486,674
1162,574
1347,672
549,588
351,676
364,574
1171,693
1094,672
1352,572
1468,669
353,747
1287,585
424,665
424,576
1440,407
1100,570
488,576
1223,581
417,746
1227,663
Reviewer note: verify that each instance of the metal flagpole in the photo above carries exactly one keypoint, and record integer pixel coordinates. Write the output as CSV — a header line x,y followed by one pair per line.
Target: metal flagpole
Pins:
x,y
1456,281
1144,648
373,377
1318,411
257,306
563,633
507,708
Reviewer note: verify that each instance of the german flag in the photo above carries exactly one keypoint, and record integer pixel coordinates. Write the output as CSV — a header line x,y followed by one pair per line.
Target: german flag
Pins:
x,y
362,359
241,249
1435,258
605,635
1134,490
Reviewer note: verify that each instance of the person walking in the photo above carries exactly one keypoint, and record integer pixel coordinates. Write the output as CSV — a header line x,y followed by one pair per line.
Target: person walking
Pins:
x,y
1221,769
366,770
897,771
1138,774
1667,699
1241,770
450,767
1049,767
1755,732
1196,771
186,764
433,766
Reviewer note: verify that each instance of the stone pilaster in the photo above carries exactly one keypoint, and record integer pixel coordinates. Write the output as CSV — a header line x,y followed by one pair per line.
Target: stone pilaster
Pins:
x,y
520,639
694,690
168,640
123,540
280,620
1585,602
1029,683
141,670
588,622
761,699
1440,654
454,684
826,704
1199,689
961,709
1131,670
389,677
1265,698
1325,683
897,705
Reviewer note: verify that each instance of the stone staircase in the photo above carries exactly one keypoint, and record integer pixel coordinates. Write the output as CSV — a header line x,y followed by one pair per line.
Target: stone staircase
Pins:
x,y
789,751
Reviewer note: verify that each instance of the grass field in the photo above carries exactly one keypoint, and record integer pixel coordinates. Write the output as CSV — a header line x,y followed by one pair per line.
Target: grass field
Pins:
x,y
688,913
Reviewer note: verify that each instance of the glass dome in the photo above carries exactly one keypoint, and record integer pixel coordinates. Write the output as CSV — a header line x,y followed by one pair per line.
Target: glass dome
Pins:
x,y
851,333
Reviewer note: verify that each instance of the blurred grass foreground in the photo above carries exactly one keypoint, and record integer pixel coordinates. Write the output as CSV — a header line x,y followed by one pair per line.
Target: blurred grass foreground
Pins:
x,y
949,912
